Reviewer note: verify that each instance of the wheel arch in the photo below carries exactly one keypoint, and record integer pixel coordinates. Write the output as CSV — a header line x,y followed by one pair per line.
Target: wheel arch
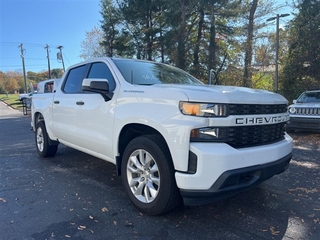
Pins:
x,y
128,133
38,117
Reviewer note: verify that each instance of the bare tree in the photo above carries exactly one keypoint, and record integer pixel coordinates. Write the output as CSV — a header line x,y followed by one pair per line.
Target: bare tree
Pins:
x,y
90,46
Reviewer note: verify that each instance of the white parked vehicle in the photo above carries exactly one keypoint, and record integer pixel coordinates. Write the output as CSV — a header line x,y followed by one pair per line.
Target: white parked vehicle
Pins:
x,y
26,98
47,86
305,112
23,97
170,136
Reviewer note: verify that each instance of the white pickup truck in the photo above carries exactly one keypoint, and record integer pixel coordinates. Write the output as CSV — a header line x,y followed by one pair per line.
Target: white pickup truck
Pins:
x,y
170,136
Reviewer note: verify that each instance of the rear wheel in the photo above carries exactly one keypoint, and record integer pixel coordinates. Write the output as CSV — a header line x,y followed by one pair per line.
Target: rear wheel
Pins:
x,y
42,141
148,175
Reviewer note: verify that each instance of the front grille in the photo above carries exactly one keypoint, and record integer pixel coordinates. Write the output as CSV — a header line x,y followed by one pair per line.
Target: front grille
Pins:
x,y
247,109
307,111
248,136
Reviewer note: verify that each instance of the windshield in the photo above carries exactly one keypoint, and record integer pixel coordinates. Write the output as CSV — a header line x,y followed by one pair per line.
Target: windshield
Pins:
x,y
149,73
309,97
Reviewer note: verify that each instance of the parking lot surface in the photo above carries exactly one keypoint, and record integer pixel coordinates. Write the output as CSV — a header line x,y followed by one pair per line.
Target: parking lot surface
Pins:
x,y
76,196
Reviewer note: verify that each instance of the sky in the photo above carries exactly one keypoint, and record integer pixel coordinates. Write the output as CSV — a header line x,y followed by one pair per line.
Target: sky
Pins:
x,y
36,23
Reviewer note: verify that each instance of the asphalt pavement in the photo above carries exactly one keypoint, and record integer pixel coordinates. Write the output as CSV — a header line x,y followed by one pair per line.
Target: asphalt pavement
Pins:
x,y
76,196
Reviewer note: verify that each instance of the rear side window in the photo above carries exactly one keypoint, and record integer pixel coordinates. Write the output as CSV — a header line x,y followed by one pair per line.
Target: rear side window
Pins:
x,y
101,70
74,80
48,87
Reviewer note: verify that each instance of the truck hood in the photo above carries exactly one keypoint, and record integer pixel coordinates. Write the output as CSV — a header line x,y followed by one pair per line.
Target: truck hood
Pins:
x,y
225,94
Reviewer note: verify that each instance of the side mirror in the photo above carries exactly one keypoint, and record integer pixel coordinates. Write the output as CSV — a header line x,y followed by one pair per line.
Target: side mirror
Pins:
x,y
97,85
294,101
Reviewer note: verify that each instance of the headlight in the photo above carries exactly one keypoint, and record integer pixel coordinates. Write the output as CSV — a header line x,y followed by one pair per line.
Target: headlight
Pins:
x,y
204,109
292,110
209,134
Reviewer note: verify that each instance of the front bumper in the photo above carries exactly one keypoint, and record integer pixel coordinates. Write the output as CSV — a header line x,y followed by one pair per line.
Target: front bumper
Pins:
x,y
303,123
223,171
234,181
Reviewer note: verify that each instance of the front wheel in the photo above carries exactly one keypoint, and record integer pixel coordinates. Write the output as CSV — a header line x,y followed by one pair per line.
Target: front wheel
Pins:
x,y
42,141
148,175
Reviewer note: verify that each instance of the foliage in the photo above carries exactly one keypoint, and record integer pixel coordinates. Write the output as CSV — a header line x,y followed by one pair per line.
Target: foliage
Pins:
x,y
263,55
302,64
249,45
193,35
201,35
232,76
13,82
56,73
262,80
10,81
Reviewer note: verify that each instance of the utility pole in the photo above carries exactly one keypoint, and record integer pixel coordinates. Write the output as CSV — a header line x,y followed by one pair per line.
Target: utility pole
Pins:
x,y
24,68
47,47
277,46
60,57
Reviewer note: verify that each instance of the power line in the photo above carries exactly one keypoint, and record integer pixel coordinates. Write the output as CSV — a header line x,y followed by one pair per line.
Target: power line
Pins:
x,y
35,61
9,66
29,44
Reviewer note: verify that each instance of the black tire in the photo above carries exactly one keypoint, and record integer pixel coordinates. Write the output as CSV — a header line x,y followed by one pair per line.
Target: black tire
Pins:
x,y
42,141
150,184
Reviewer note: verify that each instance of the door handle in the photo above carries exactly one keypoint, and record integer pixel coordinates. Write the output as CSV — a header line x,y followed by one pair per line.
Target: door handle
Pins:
x,y
80,103
56,102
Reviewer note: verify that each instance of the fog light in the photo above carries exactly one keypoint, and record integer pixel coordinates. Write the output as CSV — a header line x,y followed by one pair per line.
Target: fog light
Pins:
x,y
213,134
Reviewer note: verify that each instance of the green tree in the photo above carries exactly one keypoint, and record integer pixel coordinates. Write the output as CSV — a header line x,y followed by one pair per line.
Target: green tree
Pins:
x,y
2,79
9,81
179,19
195,35
302,65
263,57
110,26
56,73
36,77
249,45
250,32
262,80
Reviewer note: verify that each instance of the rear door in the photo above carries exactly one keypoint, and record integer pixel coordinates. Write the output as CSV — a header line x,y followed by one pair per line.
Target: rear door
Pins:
x,y
65,105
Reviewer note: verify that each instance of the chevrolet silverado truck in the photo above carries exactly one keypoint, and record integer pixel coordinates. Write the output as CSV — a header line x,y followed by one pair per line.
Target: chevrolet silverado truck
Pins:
x,y
171,137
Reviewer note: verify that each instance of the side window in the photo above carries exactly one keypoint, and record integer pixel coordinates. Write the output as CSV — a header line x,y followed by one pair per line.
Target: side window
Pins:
x,y
74,80
48,87
101,70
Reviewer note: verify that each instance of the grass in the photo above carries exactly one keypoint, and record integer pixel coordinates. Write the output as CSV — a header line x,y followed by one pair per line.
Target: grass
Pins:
x,y
12,100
